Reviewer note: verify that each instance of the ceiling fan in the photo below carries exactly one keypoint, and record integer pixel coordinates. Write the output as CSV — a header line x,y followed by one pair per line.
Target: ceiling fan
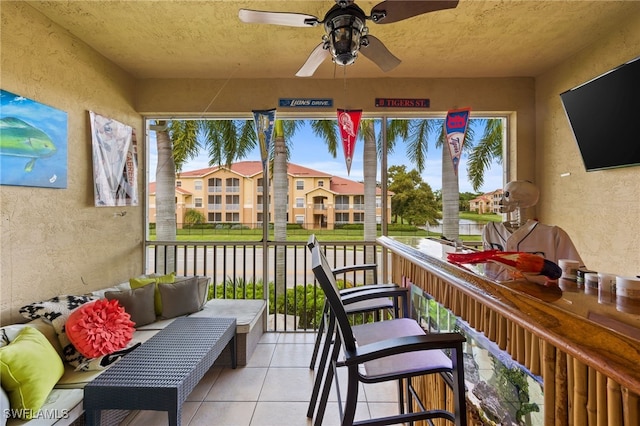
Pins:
x,y
346,30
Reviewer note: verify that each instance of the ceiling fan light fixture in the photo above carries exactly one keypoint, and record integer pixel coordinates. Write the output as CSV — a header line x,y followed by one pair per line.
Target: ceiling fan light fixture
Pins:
x,y
345,30
344,33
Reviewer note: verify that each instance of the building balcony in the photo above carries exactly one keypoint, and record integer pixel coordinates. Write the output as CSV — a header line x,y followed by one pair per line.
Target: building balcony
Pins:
x,y
319,206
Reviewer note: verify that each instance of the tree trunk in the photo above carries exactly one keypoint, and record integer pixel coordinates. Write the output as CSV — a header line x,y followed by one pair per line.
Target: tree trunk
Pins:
x,y
165,200
280,191
450,198
370,171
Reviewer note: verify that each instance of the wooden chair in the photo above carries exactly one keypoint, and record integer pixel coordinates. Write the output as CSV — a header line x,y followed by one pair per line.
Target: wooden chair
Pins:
x,y
392,350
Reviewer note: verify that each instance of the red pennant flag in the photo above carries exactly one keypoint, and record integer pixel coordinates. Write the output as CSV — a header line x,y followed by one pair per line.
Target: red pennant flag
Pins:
x,y
455,126
349,122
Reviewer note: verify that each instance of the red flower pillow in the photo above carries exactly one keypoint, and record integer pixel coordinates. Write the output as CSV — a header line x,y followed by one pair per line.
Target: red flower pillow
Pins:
x,y
99,328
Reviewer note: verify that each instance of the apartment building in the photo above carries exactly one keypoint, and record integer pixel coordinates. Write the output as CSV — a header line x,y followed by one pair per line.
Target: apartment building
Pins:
x,y
487,203
235,195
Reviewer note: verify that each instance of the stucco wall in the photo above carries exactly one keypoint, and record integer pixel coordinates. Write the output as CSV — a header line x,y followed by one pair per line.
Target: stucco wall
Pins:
x,y
54,241
600,210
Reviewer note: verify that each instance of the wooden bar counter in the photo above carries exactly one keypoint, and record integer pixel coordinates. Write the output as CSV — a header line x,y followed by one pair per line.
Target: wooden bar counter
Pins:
x,y
587,353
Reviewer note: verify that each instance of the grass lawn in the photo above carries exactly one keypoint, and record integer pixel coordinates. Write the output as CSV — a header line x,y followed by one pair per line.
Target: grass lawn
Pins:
x,y
293,235
296,235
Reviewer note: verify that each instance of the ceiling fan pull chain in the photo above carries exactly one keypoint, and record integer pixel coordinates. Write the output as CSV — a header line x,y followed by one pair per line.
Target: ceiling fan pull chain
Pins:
x,y
344,79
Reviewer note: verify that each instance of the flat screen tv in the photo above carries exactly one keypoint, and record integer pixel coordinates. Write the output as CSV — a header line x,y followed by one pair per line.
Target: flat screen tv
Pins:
x,y
604,114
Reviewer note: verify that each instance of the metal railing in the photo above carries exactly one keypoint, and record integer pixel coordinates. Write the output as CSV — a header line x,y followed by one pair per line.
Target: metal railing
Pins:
x,y
236,269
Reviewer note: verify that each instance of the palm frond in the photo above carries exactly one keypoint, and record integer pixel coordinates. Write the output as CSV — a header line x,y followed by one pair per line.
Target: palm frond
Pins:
x,y
328,130
489,148
184,140
417,142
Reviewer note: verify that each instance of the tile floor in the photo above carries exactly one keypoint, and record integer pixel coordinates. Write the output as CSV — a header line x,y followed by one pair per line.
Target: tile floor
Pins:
x,y
273,389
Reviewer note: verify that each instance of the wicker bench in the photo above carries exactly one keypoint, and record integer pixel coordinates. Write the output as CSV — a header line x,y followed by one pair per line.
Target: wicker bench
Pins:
x,y
162,372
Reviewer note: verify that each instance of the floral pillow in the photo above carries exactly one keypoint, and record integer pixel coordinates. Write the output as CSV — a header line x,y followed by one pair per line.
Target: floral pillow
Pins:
x,y
99,328
56,311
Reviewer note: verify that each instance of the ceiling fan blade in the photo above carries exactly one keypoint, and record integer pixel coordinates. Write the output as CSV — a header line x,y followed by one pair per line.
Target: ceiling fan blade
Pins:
x,y
396,10
277,18
317,56
379,54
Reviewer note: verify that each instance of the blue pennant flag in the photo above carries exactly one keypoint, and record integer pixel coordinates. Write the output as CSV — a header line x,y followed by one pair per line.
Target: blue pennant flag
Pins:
x,y
264,121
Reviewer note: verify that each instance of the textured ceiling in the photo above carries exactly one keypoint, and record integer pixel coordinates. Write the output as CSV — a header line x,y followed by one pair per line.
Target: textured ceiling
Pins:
x,y
205,39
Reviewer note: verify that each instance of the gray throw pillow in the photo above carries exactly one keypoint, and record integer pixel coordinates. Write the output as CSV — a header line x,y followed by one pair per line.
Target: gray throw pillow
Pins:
x,y
203,288
139,303
180,298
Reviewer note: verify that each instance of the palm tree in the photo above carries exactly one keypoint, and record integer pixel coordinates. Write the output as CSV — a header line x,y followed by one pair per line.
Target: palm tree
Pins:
x,y
181,137
369,173
481,155
413,131
177,142
450,194
415,134
282,131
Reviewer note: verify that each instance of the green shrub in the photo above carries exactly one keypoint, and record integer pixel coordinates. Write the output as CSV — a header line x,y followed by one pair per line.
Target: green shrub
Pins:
x,y
237,290
305,302
350,226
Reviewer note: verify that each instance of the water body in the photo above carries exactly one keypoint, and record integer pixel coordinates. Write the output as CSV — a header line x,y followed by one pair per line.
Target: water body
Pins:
x,y
466,227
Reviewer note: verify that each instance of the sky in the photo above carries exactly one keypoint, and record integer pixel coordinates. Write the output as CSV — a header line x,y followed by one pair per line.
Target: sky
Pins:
x,y
311,151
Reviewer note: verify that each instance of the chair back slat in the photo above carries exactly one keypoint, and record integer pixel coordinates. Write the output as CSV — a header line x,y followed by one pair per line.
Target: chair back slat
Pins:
x,y
324,276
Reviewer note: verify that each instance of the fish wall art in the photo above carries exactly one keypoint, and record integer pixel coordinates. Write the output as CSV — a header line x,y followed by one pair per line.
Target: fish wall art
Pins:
x,y
33,143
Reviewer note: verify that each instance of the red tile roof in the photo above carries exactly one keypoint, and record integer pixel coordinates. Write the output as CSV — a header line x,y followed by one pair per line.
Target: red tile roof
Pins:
x,y
338,185
251,168
345,186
